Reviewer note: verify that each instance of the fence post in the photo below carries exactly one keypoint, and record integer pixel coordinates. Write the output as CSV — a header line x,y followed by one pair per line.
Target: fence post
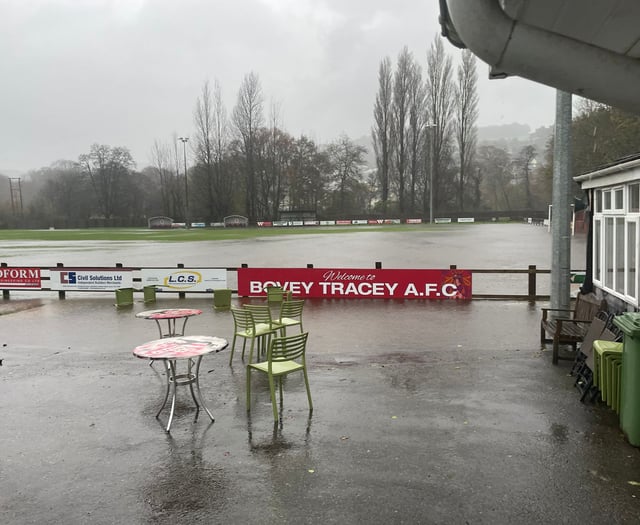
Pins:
x,y
181,295
532,282
61,293
5,293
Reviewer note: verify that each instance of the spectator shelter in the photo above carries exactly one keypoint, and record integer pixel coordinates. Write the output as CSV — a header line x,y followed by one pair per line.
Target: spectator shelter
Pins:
x,y
236,220
160,222
613,247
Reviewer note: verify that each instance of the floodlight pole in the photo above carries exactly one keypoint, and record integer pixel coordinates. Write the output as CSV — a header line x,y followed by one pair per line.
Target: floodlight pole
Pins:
x,y
184,141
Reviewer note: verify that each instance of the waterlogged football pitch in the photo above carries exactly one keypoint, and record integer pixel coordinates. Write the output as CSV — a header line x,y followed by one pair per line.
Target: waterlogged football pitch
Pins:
x,y
479,245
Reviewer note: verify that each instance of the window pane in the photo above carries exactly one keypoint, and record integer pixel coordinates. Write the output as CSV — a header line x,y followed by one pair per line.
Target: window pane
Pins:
x,y
597,201
632,284
619,257
619,198
607,200
597,235
634,198
609,240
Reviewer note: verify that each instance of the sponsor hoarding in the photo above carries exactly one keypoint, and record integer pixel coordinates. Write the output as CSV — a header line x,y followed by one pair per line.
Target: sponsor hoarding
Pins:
x,y
184,279
86,279
358,283
22,278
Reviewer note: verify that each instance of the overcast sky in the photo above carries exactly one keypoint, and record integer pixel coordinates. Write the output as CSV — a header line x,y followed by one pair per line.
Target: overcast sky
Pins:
x,y
129,72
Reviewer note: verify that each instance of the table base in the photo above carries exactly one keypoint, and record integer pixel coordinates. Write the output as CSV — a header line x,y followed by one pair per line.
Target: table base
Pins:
x,y
191,378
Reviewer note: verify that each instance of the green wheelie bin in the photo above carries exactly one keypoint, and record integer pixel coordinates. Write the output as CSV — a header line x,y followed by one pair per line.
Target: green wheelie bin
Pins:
x,y
629,323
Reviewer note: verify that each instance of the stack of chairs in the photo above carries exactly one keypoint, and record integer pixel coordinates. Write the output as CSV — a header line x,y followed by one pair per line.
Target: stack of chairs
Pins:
x,y
596,360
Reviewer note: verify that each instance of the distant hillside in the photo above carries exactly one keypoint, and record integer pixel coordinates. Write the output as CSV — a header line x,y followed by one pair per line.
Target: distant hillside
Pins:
x,y
510,137
514,137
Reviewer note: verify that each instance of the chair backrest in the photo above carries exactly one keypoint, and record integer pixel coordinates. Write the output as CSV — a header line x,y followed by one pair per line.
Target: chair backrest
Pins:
x,y
242,320
261,313
275,294
288,348
292,309
587,307
596,328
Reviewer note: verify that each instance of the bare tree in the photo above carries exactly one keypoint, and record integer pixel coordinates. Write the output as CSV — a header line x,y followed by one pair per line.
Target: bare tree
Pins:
x,y
416,131
108,169
347,162
524,166
495,165
248,118
308,175
164,171
400,112
439,84
381,132
209,147
466,116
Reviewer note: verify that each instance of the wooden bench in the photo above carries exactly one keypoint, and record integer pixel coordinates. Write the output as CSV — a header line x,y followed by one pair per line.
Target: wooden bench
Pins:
x,y
568,327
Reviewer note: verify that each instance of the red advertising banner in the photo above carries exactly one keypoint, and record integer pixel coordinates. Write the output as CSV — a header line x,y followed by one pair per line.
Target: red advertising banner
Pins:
x,y
358,283
20,278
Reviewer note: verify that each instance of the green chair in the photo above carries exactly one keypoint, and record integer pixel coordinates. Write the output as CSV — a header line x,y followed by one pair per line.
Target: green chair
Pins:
x,y
275,294
265,323
124,297
284,356
222,299
290,315
246,328
149,294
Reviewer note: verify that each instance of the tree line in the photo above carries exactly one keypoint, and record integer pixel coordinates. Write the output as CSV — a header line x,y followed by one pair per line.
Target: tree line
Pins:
x,y
424,138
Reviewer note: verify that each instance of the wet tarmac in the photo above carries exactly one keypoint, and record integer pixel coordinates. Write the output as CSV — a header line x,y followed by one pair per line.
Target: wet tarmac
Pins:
x,y
424,412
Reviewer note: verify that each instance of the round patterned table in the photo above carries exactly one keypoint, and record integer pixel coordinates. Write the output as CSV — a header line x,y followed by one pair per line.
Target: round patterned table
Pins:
x,y
171,315
170,350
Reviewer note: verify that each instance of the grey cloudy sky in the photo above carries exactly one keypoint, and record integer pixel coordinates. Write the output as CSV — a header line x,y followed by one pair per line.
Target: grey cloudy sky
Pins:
x,y
128,72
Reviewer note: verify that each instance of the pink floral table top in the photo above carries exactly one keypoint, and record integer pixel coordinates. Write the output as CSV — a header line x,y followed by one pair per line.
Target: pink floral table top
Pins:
x,y
180,347
169,313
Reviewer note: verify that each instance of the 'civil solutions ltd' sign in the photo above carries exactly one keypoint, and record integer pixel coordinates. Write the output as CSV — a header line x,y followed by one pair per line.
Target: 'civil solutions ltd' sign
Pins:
x,y
358,283
86,279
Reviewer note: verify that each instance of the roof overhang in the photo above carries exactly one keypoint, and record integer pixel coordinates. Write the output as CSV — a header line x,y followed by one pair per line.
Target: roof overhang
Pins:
x,y
591,49
618,173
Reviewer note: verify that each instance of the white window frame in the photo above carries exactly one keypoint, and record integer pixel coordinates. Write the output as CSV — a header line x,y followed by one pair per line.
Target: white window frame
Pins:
x,y
611,212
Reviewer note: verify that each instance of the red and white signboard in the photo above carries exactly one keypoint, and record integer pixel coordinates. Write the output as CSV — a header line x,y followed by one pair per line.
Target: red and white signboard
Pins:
x,y
22,278
358,283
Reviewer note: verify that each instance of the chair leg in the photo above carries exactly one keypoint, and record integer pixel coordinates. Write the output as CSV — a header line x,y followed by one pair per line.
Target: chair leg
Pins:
x,y
233,346
253,340
306,382
272,390
556,351
248,389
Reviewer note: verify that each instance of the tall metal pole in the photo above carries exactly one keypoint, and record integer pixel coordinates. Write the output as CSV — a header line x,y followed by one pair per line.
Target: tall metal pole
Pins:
x,y
184,141
561,210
